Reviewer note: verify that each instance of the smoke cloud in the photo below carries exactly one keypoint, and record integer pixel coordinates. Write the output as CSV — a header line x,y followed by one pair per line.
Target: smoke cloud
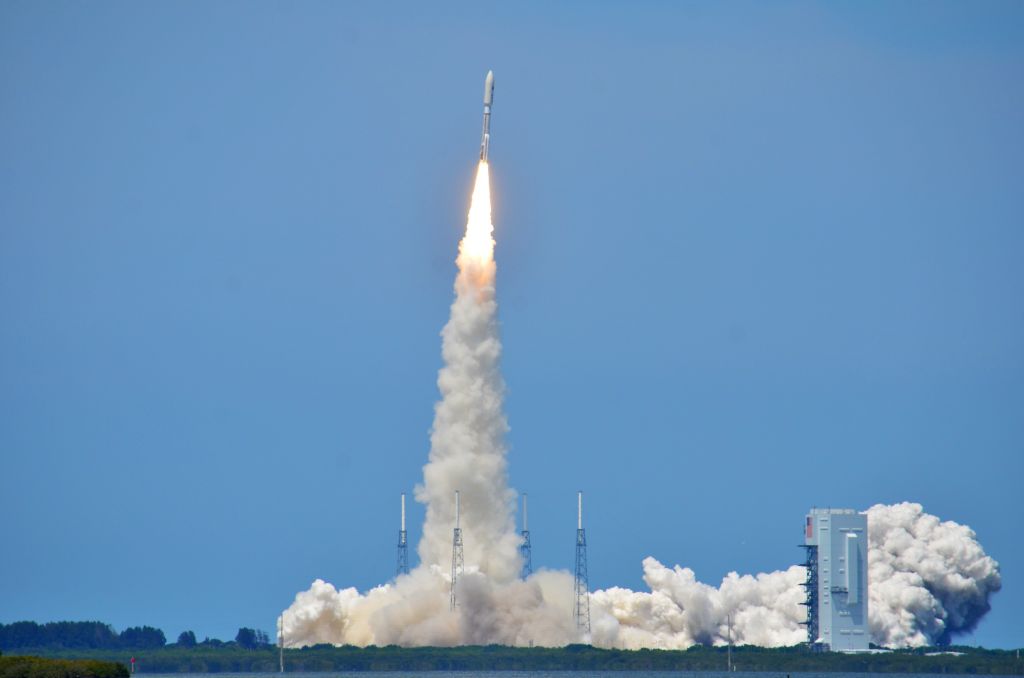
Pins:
x,y
680,611
928,579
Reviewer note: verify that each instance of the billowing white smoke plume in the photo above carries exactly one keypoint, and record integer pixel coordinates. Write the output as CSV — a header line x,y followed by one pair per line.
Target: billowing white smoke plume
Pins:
x,y
680,611
927,579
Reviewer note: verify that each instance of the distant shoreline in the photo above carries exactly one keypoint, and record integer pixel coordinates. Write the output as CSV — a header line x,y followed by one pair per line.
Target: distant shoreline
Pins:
x,y
209,659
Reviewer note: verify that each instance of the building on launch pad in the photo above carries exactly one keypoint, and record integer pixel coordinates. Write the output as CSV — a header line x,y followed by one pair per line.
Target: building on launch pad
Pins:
x,y
837,579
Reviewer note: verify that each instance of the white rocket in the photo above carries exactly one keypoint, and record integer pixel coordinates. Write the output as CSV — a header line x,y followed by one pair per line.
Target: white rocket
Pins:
x,y
485,141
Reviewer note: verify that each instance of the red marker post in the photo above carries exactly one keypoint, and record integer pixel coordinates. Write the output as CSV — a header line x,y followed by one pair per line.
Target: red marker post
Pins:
x,y
133,664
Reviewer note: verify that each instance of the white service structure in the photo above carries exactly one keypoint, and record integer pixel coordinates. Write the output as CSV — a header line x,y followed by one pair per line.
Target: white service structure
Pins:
x,y
837,581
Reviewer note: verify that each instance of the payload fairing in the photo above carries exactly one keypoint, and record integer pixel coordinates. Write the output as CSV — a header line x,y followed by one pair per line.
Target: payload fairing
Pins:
x,y
485,141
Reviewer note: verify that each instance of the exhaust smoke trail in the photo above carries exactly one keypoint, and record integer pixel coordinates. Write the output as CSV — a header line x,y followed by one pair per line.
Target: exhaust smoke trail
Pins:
x,y
467,442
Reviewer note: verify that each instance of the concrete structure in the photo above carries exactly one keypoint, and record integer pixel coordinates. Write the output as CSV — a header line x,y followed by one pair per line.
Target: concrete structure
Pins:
x,y
837,579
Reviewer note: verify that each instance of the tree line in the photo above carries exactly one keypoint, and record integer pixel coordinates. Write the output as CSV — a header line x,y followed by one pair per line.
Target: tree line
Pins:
x,y
99,636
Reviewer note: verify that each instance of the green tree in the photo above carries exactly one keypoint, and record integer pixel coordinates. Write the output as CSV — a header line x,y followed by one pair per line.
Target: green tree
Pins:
x,y
246,638
187,639
143,637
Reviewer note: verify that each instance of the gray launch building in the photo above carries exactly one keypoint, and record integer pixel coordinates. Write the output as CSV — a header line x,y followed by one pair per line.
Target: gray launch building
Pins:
x,y
837,579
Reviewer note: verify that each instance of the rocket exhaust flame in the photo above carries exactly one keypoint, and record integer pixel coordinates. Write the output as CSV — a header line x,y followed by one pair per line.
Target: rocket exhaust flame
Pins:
x,y
928,578
476,250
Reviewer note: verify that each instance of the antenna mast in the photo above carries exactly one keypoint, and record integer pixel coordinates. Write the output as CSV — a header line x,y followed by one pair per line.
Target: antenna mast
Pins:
x,y
729,660
280,642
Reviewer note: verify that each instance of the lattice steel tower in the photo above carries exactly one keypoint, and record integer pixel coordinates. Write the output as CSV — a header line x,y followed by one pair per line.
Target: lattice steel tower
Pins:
x,y
581,609
525,550
811,587
403,546
457,557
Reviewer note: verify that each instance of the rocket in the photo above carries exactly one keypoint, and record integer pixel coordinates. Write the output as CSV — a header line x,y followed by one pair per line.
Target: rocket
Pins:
x,y
485,140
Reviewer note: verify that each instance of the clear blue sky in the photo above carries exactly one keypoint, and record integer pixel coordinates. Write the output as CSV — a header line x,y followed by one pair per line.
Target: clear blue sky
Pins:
x,y
753,257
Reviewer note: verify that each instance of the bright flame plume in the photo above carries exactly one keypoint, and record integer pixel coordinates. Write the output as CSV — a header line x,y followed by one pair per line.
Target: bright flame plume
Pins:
x,y
476,251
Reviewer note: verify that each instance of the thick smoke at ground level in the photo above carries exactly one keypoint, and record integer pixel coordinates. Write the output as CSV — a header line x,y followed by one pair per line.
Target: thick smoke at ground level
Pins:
x,y
413,610
680,611
928,579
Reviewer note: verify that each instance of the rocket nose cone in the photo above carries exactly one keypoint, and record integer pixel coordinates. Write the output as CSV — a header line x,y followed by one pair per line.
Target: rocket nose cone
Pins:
x,y
489,87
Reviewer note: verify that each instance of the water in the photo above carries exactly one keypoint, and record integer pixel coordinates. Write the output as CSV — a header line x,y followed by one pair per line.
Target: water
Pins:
x,y
548,674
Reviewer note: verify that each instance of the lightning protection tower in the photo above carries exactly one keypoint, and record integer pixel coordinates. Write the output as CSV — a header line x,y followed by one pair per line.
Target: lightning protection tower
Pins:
x,y
403,545
280,642
457,557
581,609
525,550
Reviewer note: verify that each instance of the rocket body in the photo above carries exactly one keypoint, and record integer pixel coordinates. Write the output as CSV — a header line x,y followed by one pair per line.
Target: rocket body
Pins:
x,y
485,140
